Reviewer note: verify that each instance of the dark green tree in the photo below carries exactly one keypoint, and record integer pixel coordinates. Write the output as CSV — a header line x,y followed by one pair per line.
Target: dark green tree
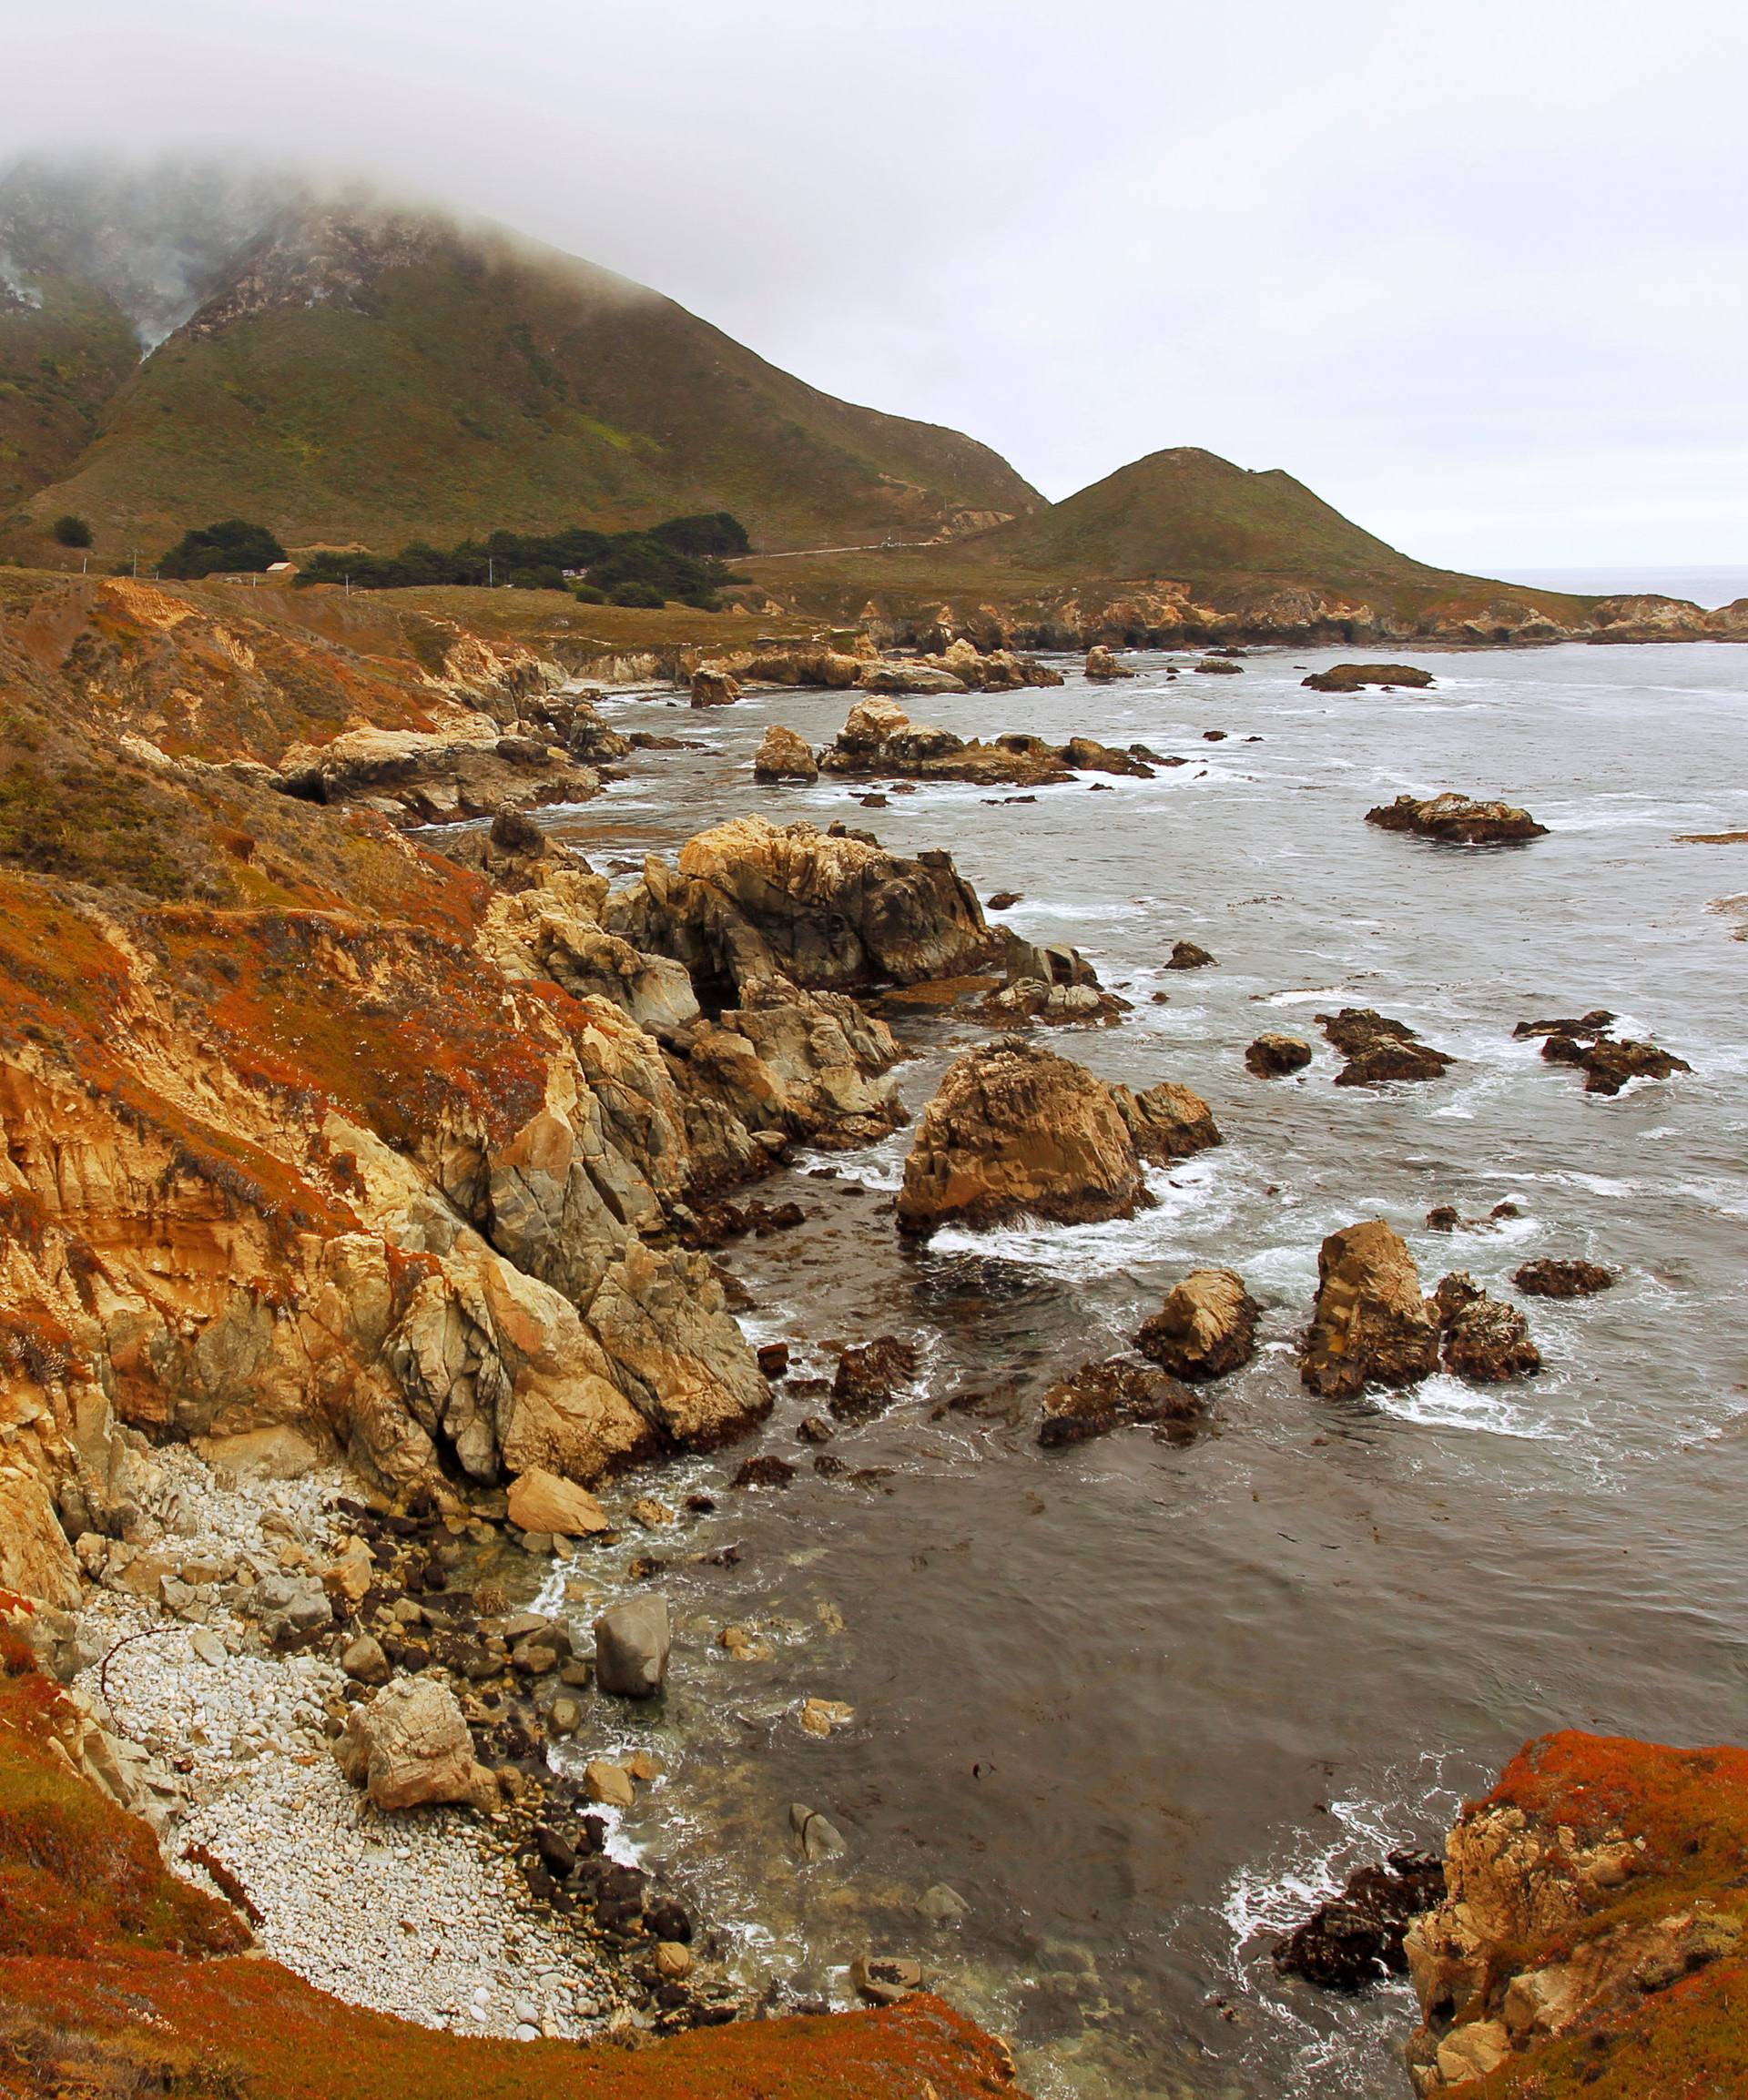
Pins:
x,y
71,531
232,545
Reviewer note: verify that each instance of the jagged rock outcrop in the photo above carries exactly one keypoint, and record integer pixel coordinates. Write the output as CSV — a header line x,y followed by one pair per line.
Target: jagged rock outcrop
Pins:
x,y
1378,1049
1457,821
410,1748
1272,1057
1015,1131
1594,1934
1357,1938
830,910
713,686
1371,1325
1486,1340
1552,1277
420,777
783,756
1206,1327
1102,667
880,738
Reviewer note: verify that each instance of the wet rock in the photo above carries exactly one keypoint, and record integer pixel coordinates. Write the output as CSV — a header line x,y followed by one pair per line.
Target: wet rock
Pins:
x,y
409,1747
774,1359
1598,1021
609,1784
1216,665
674,1960
1457,820
1443,1218
941,1906
669,1921
1356,1938
1112,1394
1353,677
1205,1329
870,1378
820,1838
1608,1062
542,1502
885,1979
1003,900
1486,1340
814,1429
1551,1278
1101,666
713,687
1378,1049
766,1471
1015,1129
632,1643
1186,955
783,756
1370,1324
1271,1057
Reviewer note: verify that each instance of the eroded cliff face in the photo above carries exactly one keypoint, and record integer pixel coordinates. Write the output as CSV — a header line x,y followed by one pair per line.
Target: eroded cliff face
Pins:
x,y
1592,1939
310,1129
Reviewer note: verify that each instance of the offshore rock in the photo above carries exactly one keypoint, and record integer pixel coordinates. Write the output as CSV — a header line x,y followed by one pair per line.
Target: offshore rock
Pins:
x,y
632,1643
1102,667
1378,1049
1357,1938
1355,677
1551,1278
1370,1325
1206,1327
783,756
1274,1057
712,687
1457,820
1016,1130
1486,1340
1112,1394
1608,1062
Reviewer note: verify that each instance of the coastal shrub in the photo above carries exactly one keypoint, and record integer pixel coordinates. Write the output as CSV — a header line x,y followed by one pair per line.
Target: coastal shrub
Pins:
x,y
644,594
71,531
588,594
232,545
681,558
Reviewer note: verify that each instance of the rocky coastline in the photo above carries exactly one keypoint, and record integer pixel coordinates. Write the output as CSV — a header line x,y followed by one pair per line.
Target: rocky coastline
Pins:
x,y
358,1218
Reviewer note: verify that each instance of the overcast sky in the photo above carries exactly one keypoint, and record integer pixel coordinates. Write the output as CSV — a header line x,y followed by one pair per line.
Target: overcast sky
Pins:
x,y
1475,272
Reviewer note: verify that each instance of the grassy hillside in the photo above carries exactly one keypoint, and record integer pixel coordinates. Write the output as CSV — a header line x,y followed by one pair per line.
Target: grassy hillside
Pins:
x,y
65,349
364,379
1191,515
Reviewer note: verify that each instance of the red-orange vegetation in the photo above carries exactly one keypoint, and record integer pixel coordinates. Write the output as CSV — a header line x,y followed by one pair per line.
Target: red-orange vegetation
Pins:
x,y
119,1980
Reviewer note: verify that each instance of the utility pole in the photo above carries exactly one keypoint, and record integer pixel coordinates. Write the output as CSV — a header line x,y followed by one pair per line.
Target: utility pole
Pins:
x,y
491,574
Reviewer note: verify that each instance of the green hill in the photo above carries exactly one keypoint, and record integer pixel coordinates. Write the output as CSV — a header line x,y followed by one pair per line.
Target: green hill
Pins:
x,y
358,376
1194,516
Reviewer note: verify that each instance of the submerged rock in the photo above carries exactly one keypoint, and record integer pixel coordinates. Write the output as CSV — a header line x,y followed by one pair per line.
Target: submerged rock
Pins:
x,y
870,1378
1206,1327
1609,1062
1186,955
1457,820
1112,1394
1371,1324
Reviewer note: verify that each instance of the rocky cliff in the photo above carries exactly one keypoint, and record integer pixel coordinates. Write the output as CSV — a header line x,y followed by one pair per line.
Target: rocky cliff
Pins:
x,y
1592,1941
312,1131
